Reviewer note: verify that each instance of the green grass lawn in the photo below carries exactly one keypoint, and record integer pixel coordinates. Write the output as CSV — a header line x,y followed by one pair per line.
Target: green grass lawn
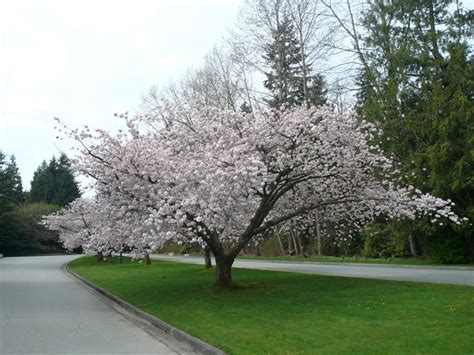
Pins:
x,y
287,313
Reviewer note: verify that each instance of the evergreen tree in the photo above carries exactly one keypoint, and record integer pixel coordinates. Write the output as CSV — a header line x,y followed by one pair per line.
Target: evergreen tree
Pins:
x,y
417,83
42,184
15,178
317,91
54,183
67,189
282,56
285,79
11,188
20,230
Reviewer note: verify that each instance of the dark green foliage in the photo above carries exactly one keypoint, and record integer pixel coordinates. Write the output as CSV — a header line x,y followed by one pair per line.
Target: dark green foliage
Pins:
x,y
14,237
286,80
54,183
20,230
282,55
317,91
11,188
41,183
385,241
418,85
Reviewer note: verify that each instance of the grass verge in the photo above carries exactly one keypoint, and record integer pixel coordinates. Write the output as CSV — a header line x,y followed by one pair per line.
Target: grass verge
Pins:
x,y
287,313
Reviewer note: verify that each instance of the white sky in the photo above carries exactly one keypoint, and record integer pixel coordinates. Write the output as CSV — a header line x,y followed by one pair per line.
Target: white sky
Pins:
x,y
84,60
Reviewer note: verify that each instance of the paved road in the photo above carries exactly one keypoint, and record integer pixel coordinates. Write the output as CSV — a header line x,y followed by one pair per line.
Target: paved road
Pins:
x,y
45,311
458,276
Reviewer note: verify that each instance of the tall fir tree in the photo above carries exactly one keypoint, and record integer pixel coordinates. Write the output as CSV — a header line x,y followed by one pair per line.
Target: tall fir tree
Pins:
x,y
417,84
282,56
41,184
285,79
67,189
11,188
54,183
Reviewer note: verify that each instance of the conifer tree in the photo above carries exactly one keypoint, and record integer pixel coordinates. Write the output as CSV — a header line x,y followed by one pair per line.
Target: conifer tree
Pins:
x,y
11,188
282,56
15,178
54,183
67,189
41,183
417,83
285,79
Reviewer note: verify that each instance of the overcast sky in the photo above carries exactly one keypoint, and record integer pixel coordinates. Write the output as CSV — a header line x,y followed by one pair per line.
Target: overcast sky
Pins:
x,y
84,60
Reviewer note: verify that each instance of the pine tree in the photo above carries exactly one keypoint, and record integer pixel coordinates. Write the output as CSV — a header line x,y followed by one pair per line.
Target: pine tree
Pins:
x,y
54,183
282,55
15,178
42,184
417,85
285,80
11,188
67,189
317,90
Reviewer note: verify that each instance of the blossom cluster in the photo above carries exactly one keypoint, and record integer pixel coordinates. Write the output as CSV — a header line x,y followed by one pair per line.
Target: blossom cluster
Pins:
x,y
223,178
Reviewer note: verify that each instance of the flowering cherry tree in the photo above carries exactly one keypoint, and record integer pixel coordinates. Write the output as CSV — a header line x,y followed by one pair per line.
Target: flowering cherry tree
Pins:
x,y
223,178
97,225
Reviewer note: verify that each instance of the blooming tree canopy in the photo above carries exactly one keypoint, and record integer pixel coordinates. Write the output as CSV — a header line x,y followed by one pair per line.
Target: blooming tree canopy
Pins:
x,y
223,178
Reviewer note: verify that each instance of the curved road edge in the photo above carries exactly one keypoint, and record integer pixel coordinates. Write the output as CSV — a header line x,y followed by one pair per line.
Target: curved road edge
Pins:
x,y
151,323
464,277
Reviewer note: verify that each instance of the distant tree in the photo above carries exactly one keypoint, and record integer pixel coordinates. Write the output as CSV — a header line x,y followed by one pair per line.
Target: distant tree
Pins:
x,y
290,78
11,188
20,231
14,176
41,183
54,183
67,189
282,57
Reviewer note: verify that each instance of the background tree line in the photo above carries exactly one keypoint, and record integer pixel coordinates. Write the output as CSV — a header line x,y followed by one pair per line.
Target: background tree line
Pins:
x,y
53,186
405,65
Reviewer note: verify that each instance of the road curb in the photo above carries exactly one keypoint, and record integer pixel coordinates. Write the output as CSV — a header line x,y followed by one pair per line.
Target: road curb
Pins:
x,y
195,343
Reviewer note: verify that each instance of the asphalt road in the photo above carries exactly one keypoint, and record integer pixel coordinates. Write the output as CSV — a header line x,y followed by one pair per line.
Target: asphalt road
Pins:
x,y
45,311
442,275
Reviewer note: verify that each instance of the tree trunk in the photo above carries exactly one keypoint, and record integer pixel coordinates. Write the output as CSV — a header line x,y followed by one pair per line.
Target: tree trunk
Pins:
x,y
223,271
318,236
207,258
300,245
281,245
147,259
99,257
411,244
120,257
292,233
